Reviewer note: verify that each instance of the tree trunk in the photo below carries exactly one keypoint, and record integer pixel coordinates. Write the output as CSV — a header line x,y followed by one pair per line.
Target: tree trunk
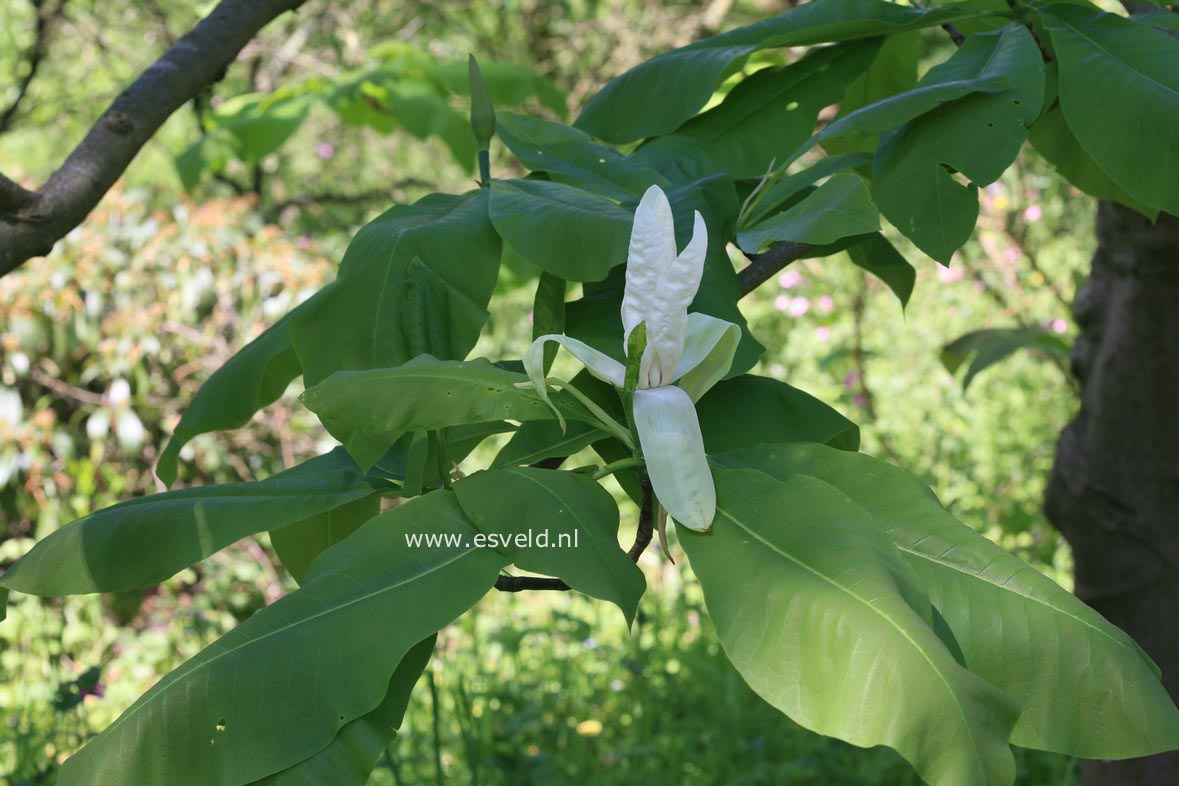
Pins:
x,y
1114,490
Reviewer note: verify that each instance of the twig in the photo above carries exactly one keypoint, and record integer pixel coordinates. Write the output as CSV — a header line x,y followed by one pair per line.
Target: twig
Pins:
x,y
187,68
763,266
36,53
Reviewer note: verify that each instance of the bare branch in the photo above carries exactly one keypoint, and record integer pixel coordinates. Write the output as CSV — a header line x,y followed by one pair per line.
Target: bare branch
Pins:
x,y
763,266
42,28
193,63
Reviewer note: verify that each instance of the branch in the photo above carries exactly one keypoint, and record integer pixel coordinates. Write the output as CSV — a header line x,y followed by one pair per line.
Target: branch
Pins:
x,y
763,266
642,539
193,63
34,57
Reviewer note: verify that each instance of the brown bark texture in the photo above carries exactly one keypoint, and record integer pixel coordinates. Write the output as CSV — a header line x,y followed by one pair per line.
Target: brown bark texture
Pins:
x,y
1114,489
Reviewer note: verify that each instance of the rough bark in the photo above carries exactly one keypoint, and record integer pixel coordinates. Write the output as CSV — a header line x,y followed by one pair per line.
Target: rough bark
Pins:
x,y
1114,490
31,222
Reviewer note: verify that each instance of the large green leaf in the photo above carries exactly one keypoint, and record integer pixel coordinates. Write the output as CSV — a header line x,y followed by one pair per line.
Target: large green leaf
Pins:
x,y
350,758
657,96
839,208
1086,688
892,72
541,439
978,135
431,262
568,155
250,380
985,348
281,686
297,545
750,410
819,613
145,540
878,256
427,394
766,116
563,230
1119,91
577,518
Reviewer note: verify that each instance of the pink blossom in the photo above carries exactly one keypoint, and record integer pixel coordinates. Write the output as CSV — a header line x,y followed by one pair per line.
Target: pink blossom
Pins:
x,y
1059,325
1011,255
799,306
950,274
823,334
1033,213
325,150
826,304
782,302
304,242
851,380
790,279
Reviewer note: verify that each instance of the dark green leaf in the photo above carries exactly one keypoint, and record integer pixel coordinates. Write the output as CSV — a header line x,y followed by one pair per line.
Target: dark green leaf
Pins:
x,y
839,208
541,439
656,97
879,257
892,72
576,516
749,410
298,544
984,348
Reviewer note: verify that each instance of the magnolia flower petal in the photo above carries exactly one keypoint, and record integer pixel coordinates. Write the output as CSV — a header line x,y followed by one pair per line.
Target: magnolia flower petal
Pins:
x,y
652,250
673,450
597,363
667,322
709,347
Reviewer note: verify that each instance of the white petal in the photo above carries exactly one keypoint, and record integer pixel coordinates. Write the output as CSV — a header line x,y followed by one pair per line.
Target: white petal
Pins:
x,y
673,449
652,250
709,347
666,325
597,363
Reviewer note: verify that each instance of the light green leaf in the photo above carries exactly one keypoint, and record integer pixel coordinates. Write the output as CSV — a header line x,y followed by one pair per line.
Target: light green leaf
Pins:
x,y
819,613
145,540
984,348
568,155
1119,91
656,97
750,410
892,72
281,686
576,515
1086,688
781,191
978,135
570,233
839,208
351,757
767,115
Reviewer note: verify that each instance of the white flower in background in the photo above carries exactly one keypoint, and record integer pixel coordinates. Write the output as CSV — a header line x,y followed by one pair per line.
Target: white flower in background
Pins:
x,y
685,355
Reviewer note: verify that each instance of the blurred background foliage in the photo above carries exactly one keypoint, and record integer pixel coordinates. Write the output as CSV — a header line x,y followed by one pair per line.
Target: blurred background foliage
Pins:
x,y
102,343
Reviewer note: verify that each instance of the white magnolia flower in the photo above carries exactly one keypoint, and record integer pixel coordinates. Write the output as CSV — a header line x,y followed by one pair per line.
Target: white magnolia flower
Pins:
x,y
685,355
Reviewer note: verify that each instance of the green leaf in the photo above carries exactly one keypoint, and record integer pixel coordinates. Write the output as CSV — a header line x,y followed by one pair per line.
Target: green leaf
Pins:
x,y
977,135
1086,688
548,312
807,592
985,348
568,155
765,116
573,234
750,410
433,261
1055,141
427,394
577,517
880,257
538,440
298,544
250,380
351,757
839,208
1119,91
281,686
145,540
892,72
782,191
656,97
